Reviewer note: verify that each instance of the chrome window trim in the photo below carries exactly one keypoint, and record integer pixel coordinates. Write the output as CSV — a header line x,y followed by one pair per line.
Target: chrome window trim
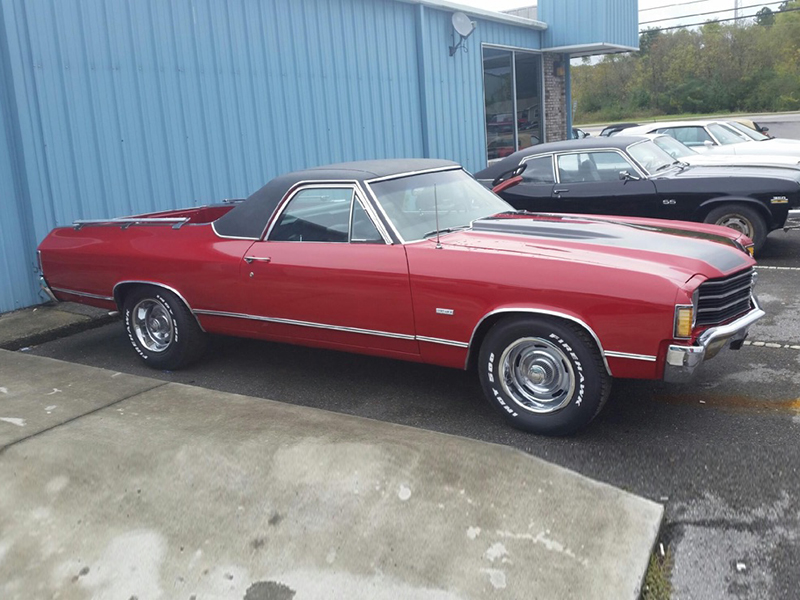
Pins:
x,y
361,194
644,357
300,186
635,165
83,294
553,165
541,311
156,284
400,176
230,237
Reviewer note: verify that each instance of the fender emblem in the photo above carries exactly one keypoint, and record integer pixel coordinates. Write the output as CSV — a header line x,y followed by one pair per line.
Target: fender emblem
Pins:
x,y
779,200
445,311
669,201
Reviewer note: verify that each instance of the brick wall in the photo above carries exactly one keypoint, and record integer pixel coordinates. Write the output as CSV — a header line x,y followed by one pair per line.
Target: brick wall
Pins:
x,y
555,98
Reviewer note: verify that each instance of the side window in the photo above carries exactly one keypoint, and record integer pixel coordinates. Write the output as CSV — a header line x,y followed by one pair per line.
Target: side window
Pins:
x,y
539,170
569,167
362,229
315,215
690,136
609,165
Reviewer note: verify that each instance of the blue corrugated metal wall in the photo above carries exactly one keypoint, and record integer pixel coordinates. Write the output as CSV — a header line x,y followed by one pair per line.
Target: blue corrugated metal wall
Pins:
x,y
113,107
577,22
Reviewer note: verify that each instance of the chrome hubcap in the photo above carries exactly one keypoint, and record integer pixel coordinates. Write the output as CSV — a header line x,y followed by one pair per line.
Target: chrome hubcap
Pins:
x,y
152,325
537,375
738,223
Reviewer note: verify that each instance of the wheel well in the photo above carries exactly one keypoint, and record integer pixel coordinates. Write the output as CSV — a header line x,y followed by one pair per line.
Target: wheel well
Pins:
x,y
493,319
705,209
122,289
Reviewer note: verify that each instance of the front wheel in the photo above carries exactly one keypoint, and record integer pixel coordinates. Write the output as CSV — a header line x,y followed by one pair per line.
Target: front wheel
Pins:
x,y
545,376
162,329
742,219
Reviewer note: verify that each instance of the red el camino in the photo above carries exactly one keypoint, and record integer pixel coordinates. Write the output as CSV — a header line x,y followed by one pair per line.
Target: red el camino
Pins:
x,y
414,259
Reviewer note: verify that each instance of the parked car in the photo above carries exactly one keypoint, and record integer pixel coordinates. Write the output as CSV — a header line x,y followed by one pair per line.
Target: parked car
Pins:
x,y
414,259
629,175
762,129
616,128
681,152
721,137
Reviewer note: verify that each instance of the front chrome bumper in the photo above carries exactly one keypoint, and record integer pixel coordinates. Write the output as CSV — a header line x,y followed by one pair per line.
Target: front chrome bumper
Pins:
x,y
46,289
682,361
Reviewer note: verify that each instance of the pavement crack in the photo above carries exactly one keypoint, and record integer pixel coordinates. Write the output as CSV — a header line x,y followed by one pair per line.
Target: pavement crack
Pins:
x,y
81,416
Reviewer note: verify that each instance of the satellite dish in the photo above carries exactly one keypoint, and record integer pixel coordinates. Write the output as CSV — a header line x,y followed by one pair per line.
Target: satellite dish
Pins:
x,y
464,28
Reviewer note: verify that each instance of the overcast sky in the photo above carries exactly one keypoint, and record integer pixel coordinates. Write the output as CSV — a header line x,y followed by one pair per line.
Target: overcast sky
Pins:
x,y
656,10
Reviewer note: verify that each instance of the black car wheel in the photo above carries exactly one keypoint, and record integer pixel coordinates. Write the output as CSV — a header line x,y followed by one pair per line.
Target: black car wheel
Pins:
x,y
545,376
162,329
742,219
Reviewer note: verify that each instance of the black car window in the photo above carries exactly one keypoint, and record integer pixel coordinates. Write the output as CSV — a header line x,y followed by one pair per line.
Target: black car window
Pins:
x,y
539,170
689,136
315,215
609,165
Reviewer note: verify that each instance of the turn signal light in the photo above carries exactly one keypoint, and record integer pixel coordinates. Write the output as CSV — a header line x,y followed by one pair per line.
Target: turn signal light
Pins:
x,y
684,317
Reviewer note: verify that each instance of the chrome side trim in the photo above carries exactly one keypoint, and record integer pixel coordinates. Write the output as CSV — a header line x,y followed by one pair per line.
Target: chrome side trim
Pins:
x,y
550,313
161,285
644,357
219,313
83,294
431,340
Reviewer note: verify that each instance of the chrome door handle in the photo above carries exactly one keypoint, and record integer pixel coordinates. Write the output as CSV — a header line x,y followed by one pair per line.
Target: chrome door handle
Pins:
x,y
250,259
561,191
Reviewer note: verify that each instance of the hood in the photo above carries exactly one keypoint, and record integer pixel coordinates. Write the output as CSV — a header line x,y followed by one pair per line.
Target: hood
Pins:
x,y
778,147
744,171
664,248
771,161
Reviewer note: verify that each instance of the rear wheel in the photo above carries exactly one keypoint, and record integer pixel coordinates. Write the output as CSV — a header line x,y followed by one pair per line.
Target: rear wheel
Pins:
x,y
162,329
743,219
545,376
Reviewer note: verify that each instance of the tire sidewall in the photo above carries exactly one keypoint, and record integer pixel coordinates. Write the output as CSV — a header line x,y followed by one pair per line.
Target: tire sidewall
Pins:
x,y
586,397
758,223
154,359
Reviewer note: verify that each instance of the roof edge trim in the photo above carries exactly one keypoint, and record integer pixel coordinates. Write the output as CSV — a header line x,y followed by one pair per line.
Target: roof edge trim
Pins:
x,y
488,15
590,49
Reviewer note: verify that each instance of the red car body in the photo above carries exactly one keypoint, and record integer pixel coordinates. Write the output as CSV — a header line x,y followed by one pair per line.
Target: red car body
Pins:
x,y
432,299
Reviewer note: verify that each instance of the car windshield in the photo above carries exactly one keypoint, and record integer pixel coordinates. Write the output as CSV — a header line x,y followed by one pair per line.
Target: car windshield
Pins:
x,y
673,147
726,135
411,203
650,157
749,132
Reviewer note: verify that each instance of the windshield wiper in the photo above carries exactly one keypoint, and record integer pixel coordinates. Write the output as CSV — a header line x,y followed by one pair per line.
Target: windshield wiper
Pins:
x,y
446,230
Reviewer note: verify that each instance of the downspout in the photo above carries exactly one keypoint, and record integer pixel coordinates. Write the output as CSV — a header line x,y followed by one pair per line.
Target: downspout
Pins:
x,y
568,94
422,72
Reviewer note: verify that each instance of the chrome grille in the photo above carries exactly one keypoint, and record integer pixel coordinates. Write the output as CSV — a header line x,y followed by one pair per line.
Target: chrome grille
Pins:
x,y
722,299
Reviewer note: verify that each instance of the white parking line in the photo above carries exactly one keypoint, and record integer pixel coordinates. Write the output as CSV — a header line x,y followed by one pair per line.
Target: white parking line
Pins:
x,y
772,345
778,268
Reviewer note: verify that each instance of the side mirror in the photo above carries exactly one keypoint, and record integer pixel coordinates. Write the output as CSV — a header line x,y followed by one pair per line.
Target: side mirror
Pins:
x,y
708,144
626,176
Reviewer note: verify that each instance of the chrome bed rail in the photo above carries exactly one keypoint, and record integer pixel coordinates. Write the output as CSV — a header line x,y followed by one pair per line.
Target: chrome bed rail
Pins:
x,y
124,223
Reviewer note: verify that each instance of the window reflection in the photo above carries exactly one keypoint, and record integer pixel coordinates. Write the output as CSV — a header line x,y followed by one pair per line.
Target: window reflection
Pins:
x,y
512,101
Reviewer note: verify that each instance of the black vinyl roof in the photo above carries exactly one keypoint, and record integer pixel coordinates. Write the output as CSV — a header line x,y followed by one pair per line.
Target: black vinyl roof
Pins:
x,y
512,160
250,218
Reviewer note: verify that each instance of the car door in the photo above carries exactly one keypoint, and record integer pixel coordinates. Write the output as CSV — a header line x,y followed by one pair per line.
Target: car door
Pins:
x,y
324,274
535,191
589,182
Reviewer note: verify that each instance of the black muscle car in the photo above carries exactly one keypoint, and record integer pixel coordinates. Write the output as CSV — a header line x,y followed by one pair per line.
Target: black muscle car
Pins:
x,y
632,176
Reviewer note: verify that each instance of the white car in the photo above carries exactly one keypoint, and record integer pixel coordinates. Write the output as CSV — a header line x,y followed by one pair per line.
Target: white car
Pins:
x,y
721,137
683,153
